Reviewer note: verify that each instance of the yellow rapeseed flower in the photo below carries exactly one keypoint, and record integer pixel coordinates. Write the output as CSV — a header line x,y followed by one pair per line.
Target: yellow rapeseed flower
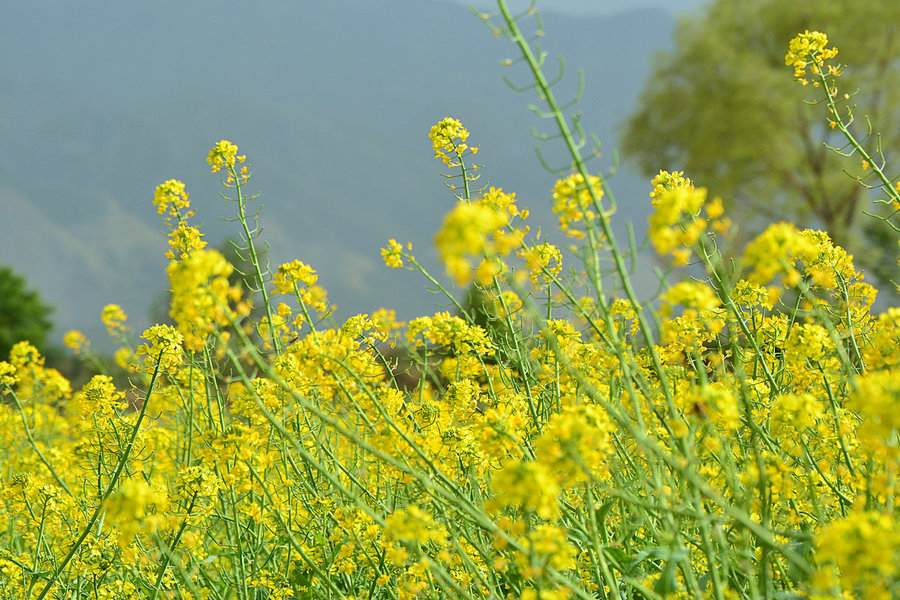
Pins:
x,y
76,340
529,485
183,240
7,374
133,509
448,138
202,296
392,254
114,318
224,155
864,548
291,274
676,224
573,200
164,343
466,233
170,198
808,48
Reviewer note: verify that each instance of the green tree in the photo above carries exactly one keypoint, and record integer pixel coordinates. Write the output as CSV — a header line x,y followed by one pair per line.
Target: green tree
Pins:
x,y
723,107
23,315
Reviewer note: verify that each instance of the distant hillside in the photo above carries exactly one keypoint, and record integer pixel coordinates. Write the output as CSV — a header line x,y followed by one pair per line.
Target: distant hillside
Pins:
x,y
106,99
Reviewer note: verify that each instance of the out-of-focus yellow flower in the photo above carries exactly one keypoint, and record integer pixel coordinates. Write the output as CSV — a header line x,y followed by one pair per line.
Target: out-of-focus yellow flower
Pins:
x,y
528,485
676,223
170,198
875,400
202,297
7,373
136,506
76,340
770,254
114,318
23,354
413,525
784,251
183,240
573,201
864,549
693,295
466,233
544,262
575,444
548,548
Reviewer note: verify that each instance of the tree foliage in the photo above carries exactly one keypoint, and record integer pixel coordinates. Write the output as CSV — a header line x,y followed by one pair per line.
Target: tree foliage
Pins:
x,y
722,106
23,315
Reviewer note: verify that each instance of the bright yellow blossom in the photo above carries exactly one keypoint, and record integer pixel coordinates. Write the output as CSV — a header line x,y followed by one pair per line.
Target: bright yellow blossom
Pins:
x,y
292,274
448,138
224,155
808,47
202,297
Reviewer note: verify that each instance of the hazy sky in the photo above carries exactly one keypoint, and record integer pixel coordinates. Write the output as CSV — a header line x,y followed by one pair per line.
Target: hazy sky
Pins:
x,y
108,99
592,7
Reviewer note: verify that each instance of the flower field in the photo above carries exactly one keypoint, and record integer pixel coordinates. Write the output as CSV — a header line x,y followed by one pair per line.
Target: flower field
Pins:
x,y
734,438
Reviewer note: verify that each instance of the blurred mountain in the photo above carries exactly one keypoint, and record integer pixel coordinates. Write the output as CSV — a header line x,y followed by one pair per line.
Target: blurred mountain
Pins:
x,y
103,100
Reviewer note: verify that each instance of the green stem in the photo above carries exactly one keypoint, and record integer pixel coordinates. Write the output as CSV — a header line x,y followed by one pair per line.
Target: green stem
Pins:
x,y
34,444
254,257
843,127
168,553
110,486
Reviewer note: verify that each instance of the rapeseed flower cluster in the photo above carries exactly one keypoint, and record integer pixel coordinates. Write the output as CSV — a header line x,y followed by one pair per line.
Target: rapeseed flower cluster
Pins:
x,y
224,157
575,200
392,254
203,299
676,224
479,232
448,138
171,200
808,50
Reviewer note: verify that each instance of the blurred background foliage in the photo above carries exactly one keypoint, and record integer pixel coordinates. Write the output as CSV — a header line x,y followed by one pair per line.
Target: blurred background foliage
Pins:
x,y
722,106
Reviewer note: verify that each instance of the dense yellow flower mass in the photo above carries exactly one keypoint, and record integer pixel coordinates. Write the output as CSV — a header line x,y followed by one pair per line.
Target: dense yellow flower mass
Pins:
x,y
733,437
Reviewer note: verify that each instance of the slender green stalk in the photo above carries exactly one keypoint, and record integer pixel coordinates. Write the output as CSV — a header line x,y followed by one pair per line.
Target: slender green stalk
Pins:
x,y
254,256
110,486
168,551
33,444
